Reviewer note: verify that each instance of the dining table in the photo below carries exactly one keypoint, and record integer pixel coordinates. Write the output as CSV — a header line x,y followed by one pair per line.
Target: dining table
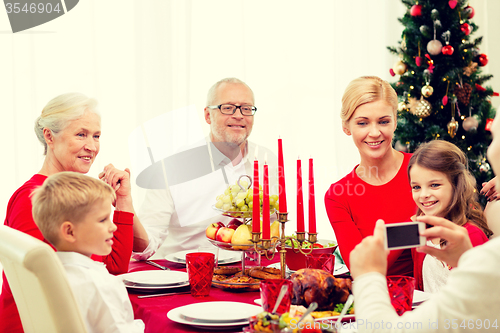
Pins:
x,y
153,310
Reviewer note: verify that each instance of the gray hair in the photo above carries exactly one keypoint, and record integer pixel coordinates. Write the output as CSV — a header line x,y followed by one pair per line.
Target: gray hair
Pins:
x,y
60,111
212,92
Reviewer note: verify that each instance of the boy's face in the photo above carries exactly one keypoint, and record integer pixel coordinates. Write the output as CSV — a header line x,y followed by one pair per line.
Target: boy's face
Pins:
x,y
94,233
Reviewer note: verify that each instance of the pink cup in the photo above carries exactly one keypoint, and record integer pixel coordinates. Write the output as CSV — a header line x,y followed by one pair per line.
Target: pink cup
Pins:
x,y
401,290
269,291
324,261
200,268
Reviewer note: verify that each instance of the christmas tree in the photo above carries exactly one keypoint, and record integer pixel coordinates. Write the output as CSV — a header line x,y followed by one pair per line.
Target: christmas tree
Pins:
x,y
441,89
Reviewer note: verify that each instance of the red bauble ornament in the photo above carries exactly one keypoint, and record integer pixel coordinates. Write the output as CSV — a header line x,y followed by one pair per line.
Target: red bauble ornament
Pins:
x,y
489,122
483,59
447,50
418,61
391,71
445,99
452,4
416,10
466,28
469,11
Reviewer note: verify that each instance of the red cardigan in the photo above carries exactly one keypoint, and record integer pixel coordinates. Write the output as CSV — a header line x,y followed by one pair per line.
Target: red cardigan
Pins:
x,y
477,237
19,217
353,206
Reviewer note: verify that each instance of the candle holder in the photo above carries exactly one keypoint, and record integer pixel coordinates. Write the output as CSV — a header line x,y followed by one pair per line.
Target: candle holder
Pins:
x,y
268,247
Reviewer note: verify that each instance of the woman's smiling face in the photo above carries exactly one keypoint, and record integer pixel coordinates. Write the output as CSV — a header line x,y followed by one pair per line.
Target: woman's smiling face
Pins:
x,y
372,127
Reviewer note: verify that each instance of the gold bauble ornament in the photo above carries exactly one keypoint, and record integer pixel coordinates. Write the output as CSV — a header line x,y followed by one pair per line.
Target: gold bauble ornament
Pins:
x,y
452,127
399,67
402,106
427,91
421,109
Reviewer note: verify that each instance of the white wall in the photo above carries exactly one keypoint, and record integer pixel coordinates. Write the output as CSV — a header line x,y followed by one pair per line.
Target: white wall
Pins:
x,y
143,58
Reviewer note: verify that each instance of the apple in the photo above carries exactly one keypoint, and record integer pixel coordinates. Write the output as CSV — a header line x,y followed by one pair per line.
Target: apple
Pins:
x,y
242,236
234,224
212,229
224,235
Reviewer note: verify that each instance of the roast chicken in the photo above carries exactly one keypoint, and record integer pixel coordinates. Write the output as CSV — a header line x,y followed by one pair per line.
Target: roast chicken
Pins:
x,y
316,285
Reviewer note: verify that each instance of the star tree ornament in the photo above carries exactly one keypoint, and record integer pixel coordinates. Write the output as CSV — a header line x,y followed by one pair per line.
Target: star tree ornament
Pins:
x,y
452,126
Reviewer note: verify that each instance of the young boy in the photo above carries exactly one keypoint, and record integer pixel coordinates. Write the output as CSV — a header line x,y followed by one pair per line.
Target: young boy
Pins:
x,y
73,213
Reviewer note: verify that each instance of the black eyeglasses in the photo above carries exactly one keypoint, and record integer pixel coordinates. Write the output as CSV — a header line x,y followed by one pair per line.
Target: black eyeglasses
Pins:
x,y
246,110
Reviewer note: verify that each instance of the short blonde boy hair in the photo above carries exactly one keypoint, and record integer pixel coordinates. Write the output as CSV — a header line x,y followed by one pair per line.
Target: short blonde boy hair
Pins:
x,y
367,89
66,196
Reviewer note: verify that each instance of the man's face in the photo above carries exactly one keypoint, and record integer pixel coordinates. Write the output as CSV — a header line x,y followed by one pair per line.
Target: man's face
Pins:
x,y
234,128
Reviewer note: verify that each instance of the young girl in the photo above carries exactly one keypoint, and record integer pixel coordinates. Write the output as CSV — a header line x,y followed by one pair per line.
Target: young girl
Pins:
x,y
442,186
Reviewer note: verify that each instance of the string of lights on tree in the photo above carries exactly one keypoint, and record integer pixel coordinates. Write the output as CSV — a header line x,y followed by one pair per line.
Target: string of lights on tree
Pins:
x,y
441,87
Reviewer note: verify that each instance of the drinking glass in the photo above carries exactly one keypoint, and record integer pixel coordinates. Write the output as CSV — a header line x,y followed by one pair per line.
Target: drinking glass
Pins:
x,y
401,290
200,269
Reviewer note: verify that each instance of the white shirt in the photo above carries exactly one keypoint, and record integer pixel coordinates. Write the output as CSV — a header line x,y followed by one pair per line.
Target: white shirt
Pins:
x,y
468,302
176,217
102,297
434,272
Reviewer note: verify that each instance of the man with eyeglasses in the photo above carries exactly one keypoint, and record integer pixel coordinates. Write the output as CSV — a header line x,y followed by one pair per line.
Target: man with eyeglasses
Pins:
x,y
176,218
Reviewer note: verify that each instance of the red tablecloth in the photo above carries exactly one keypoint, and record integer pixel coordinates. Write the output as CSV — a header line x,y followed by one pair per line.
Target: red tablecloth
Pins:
x,y
153,311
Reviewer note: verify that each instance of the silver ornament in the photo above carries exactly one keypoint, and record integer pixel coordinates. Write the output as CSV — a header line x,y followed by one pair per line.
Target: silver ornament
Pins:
x,y
470,124
402,106
434,47
484,167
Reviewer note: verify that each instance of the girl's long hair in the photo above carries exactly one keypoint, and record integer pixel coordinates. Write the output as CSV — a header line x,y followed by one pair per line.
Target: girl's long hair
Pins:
x,y
445,157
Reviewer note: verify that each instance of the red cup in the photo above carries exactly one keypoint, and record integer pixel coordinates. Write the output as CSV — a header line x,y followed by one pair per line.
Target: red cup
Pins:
x,y
401,290
200,269
269,291
324,261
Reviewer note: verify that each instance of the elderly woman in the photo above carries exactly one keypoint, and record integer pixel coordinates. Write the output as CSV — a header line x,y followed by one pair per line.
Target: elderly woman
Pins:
x,y
69,129
378,187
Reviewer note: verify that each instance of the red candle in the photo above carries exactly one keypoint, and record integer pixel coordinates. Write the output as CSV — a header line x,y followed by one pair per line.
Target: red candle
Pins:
x,y
266,218
300,199
312,205
281,178
256,200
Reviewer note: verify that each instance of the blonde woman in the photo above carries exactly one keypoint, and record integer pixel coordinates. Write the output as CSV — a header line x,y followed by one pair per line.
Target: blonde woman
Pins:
x,y
377,188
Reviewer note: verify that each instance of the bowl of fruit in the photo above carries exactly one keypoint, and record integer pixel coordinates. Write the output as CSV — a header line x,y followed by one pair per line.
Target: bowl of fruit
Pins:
x,y
237,199
295,260
236,235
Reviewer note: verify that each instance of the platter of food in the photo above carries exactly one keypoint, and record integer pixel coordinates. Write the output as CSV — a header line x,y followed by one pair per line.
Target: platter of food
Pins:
x,y
234,279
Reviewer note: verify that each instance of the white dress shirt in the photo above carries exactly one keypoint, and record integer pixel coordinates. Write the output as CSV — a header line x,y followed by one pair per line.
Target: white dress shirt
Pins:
x,y
102,297
468,302
176,217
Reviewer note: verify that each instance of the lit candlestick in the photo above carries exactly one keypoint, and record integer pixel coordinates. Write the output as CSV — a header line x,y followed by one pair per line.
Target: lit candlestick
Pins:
x,y
256,199
300,198
281,178
266,218
312,205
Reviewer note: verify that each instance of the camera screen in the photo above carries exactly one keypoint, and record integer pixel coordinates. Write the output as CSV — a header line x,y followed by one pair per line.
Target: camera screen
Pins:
x,y
402,235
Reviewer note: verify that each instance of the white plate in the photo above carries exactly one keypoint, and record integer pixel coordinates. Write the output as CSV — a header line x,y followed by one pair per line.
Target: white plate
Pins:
x,y
176,316
220,311
225,257
155,278
420,297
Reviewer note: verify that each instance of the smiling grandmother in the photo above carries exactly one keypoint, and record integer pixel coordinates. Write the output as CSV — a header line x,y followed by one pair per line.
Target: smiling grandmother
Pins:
x,y
69,129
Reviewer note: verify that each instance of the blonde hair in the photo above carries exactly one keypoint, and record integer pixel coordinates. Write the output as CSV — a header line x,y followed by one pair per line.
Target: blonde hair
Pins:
x,y
212,92
66,196
60,111
443,156
363,90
